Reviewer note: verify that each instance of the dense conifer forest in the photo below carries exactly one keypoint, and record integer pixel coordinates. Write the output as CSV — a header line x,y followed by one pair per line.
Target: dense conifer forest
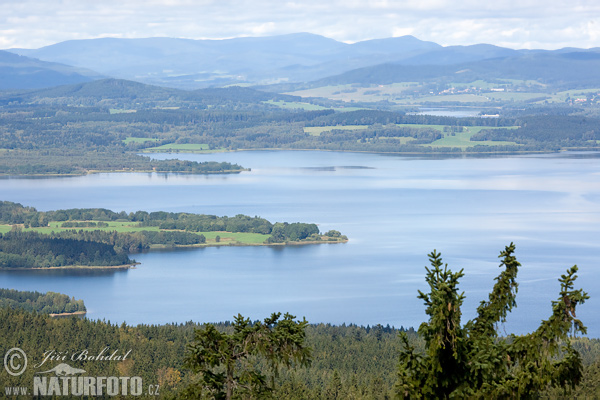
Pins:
x,y
348,361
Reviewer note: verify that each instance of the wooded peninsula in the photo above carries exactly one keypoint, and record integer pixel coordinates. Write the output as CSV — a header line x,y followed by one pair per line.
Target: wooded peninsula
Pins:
x,y
98,237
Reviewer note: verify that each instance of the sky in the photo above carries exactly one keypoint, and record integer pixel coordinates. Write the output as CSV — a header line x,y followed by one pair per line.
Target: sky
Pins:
x,y
518,24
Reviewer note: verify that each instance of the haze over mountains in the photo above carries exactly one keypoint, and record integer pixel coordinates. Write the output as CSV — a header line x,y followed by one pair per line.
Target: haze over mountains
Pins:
x,y
192,64
19,72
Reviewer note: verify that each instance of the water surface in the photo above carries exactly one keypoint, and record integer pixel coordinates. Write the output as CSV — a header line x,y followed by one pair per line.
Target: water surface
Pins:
x,y
394,209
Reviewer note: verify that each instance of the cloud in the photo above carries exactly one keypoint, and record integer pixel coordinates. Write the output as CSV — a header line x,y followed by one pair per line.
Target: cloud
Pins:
x,y
512,23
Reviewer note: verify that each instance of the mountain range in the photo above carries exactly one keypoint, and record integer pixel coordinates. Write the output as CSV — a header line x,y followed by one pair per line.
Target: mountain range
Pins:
x,y
303,57
20,72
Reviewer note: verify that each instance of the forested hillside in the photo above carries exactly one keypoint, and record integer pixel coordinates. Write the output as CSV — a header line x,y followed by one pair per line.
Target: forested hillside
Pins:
x,y
348,361
45,303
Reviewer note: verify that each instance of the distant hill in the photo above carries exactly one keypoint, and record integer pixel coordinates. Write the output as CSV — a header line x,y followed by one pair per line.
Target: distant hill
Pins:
x,y
569,69
191,64
20,72
303,57
459,54
123,93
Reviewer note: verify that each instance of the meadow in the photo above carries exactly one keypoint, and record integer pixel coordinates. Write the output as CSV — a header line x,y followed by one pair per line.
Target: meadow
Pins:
x,y
226,238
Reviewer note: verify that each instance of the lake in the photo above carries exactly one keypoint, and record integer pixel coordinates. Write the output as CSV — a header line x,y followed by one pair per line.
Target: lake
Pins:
x,y
394,209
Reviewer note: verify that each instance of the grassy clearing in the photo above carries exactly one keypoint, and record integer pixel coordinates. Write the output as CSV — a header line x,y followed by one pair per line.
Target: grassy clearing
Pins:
x,y
119,226
463,139
139,140
226,237
349,93
233,237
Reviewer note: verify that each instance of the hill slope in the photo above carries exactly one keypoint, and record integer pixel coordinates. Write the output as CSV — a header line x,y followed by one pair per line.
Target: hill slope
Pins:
x,y
20,72
190,64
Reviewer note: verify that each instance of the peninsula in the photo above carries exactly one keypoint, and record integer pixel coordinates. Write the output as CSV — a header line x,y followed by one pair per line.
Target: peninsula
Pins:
x,y
101,238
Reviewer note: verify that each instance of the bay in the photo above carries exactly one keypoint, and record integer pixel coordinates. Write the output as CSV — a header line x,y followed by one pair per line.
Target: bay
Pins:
x,y
394,209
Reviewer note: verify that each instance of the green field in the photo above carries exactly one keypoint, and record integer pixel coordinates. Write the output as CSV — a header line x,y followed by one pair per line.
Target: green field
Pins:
x,y
232,237
349,93
226,237
463,139
460,139
413,93
139,140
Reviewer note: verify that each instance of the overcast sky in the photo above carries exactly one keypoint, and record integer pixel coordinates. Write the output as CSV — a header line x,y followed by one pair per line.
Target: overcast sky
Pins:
x,y
542,24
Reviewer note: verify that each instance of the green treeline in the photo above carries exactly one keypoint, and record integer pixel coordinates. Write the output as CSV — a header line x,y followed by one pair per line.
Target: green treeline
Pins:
x,y
39,134
99,244
558,129
348,361
203,223
15,213
45,303
134,242
282,232
19,249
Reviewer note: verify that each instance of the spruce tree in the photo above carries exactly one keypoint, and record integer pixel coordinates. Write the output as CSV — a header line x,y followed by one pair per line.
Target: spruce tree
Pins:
x,y
472,360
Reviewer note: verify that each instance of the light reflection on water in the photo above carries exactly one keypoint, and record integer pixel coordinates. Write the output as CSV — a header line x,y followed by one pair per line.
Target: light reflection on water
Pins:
x,y
394,209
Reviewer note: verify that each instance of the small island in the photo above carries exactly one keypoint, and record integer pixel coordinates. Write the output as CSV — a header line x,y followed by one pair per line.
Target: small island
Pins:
x,y
101,238
51,303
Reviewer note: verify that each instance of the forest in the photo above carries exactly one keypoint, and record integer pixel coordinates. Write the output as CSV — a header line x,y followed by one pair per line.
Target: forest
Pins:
x,y
105,125
20,249
188,360
44,303
348,361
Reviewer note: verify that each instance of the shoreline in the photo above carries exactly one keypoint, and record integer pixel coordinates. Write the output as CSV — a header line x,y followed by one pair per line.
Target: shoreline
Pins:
x,y
234,244
461,153
124,266
122,171
180,246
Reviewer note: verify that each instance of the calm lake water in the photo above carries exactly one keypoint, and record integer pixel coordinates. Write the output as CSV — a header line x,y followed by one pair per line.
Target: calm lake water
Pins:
x,y
394,209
